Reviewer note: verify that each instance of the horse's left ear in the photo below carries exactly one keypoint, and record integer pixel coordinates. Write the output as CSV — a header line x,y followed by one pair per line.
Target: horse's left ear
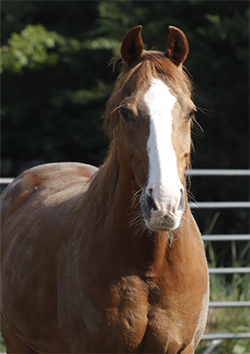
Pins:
x,y
177,46
132,46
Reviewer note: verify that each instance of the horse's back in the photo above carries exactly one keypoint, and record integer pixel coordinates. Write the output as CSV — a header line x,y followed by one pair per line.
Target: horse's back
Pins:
x,y
50,178
34,209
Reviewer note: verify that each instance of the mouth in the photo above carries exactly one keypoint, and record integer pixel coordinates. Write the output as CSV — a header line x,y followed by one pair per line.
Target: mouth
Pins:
x,y
158,220
160,226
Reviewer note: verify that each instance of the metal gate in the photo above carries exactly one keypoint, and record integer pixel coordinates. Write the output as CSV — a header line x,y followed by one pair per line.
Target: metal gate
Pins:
x,y
217,338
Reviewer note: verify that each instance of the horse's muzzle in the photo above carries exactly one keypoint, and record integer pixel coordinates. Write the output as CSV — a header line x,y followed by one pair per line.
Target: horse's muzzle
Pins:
x,y
162,216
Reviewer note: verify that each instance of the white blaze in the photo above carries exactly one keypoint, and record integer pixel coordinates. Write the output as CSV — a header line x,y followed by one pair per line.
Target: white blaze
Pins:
x,y
163,184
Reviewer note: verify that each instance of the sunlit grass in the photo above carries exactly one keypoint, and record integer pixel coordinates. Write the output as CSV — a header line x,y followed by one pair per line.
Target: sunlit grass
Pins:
x,y
229,320
2,346
235,287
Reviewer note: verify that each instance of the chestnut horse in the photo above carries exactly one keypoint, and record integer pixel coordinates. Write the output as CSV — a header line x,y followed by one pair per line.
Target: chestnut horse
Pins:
x,y
110,260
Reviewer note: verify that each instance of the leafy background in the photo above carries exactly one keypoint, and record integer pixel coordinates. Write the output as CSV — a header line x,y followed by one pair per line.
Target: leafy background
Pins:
x,y
56,81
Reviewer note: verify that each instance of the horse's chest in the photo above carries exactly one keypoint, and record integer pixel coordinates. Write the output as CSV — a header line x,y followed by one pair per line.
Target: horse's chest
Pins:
x,y
164,333
150,330
140,322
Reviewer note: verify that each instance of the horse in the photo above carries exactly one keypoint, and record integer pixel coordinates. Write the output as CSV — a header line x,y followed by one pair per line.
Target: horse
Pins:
x,y
110,259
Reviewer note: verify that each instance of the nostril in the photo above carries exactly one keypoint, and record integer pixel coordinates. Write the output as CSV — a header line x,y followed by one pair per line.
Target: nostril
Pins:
x,y
149,192
151,203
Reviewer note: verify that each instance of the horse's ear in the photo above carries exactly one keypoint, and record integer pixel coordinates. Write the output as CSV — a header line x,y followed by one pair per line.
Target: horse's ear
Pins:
x,y
177,46
132,46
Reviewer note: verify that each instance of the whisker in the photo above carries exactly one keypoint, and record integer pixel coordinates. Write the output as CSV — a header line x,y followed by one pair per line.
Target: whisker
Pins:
x,y
191,197
116,109
204,111
135,197
135,217
196,124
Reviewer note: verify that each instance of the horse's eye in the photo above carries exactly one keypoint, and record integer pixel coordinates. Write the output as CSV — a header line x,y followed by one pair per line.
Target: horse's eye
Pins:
x,y
126,114
191,114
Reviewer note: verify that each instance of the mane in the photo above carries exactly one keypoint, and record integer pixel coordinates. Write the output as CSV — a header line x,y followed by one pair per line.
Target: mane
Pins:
x,y
103,185
100,195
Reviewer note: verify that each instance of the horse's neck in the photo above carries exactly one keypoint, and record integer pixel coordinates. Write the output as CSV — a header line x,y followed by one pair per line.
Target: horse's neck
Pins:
x,y
128,230
154,250
119,226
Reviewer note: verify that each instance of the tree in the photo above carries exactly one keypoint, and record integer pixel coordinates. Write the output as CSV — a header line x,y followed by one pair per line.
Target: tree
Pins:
x,y
56,79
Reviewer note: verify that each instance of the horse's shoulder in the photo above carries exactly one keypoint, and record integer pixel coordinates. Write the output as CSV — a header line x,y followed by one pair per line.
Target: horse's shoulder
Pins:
x,y
51,177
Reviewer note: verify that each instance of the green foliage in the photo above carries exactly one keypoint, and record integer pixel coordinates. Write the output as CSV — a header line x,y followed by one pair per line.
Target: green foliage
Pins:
x,y
228,288
2,345
29,49
228,320
67,55
233,287
32,48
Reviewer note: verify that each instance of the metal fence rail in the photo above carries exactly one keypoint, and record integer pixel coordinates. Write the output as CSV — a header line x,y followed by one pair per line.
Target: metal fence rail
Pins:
x,y
225,238
228,270
219,205
200,172
220,172
216,338
193,205
226,336
6,180
229,304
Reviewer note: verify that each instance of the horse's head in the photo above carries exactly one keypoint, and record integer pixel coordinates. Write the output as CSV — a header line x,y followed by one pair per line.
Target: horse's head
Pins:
x,y
151,112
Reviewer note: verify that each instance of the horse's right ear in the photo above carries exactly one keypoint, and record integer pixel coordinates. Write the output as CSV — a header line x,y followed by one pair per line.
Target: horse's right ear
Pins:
x,y
132,46
177,46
